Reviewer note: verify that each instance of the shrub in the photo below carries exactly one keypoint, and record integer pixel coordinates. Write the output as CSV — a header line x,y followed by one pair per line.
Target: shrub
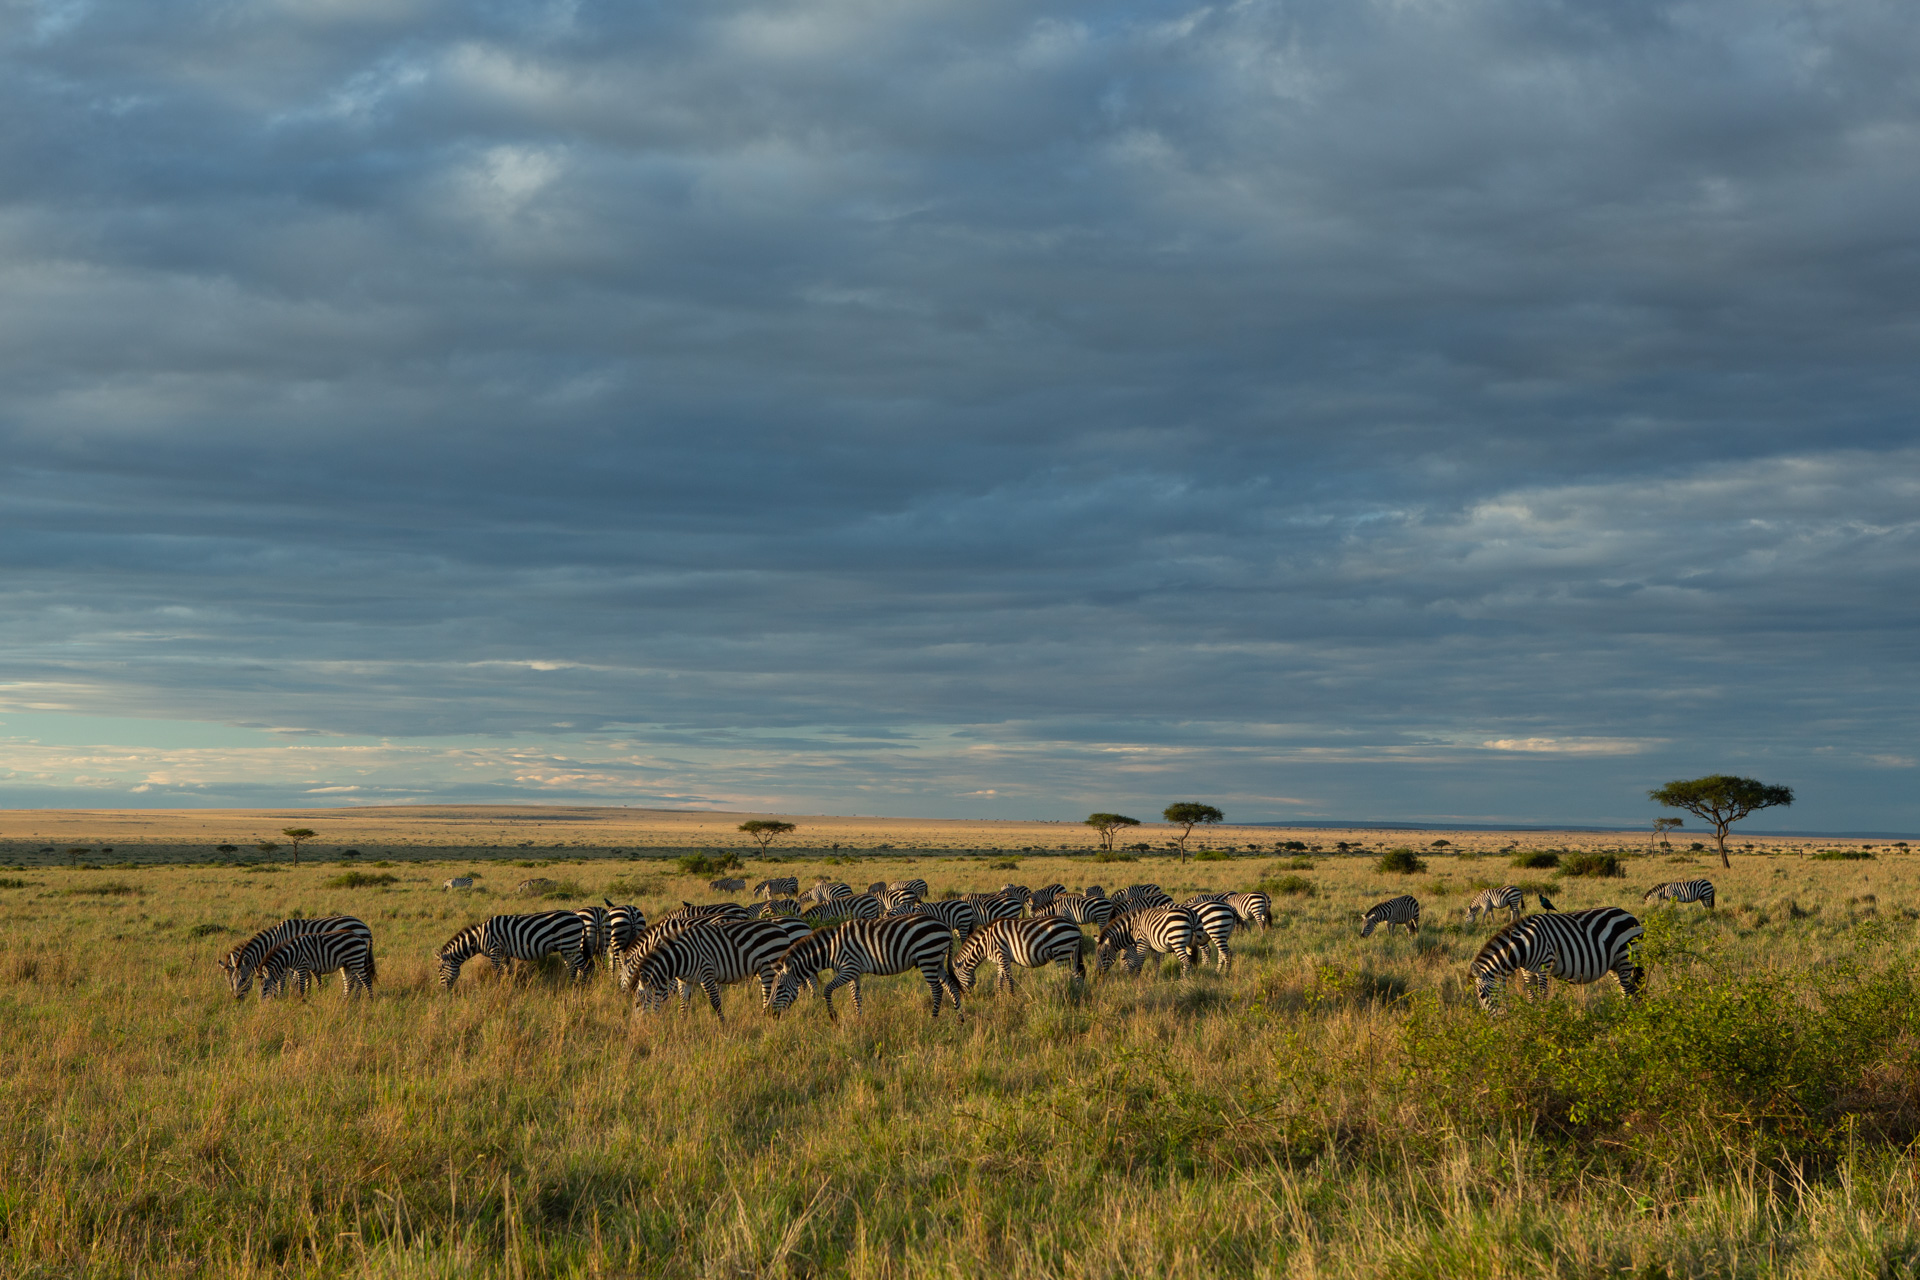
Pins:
x,y
108,889
1114,855
13,882
1441,844
1843,855
1402,861
1293,846
1005,864
1536,859
1288,886
1600,865
208,930
1212,855
1298,864
361,880
699,864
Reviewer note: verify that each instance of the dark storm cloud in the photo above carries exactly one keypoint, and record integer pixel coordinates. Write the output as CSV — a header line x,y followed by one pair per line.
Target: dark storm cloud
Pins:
x,y
1284,393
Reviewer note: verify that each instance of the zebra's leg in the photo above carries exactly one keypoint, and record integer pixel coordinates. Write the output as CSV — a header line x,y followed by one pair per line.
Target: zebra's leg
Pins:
x,y
1631,977
713,996
952,984
1534,984
840,978
1003,963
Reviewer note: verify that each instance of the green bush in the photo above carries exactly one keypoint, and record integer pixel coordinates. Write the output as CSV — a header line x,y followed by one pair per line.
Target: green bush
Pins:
x,y
13,882
109,889
208,930
362,880
1212,855
1114,855
698,864
1843,855
1600,865
1536,859
1402,861
1289,886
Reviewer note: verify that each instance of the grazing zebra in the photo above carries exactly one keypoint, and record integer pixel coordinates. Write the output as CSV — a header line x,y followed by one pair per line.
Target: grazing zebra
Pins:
x,y
504,939
1043,897
1217,922
827,891
1573,946
239,963
1252,908
624,926
1019,891
1404,909
599,925
1172,930
649,938
1681,891
877,888
898,902
1029,942
1094,891
774,907
789,885
959,916
994,906
727,884
1083,909
710,911
459,882
868,947
916,886
1139,897
1507,897
710,956
313,954
861,907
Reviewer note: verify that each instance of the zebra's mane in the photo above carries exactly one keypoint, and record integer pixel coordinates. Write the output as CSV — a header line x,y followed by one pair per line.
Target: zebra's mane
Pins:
x,y
1500,935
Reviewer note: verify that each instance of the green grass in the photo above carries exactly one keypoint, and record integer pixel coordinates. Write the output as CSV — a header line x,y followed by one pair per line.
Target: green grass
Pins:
x,y
1843,855
362,880
1330,1107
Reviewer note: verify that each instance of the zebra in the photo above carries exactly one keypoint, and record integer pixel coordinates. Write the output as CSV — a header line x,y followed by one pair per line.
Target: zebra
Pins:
x,y
1083,909
1043,897
1217,922
1573,946
727,884
1507,897
1681,891
1094,891
862,907
1029,942
994,906
1404,909
314,954
706,911
598,922
1252,908
239,963
1169,929
459,882
789,885
877,888
774,907
1138,897
862,947
898,901
710,956
1019,891
827,891
915,886
959,916
624,926
504,939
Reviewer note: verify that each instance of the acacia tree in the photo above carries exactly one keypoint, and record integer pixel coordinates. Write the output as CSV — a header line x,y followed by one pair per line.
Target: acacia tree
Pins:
x,y
1660,828
1187,815
297,834
1721,800
1108,824
765,829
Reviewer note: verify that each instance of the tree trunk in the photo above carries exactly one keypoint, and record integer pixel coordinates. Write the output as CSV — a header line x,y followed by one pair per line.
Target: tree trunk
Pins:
x,y
1720,838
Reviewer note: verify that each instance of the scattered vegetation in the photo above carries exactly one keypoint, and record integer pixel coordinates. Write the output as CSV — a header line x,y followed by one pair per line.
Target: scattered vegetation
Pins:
x,y
1401,861
701,864
763,830
105,889
1114,855
14,882
362,880
1843,855
1536,859
1601,865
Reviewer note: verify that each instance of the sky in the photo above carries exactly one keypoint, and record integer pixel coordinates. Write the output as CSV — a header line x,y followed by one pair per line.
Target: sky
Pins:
x,y
1449,410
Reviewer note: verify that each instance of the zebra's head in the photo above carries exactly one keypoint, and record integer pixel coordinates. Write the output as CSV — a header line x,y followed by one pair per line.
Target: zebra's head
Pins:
x,y
1486,987
787,980
1112,944
966,962
1367,922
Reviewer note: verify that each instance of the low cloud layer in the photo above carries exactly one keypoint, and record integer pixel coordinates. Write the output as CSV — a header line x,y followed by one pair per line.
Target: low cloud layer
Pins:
x,y
1483,411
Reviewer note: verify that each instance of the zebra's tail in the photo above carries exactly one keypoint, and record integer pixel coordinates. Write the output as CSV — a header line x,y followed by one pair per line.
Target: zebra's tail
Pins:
x,y
372,971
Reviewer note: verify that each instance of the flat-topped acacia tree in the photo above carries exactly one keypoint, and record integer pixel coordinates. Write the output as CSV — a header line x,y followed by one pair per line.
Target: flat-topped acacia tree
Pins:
x,y
1722,800
764,830
297,834
1186,815
1108,825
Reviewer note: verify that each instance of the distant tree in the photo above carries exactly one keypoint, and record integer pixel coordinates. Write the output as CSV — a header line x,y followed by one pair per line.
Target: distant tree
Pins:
x,y
227,848
1108,824
297,834
1187,815
1660,828
1721,800
267,847
74,854
764,830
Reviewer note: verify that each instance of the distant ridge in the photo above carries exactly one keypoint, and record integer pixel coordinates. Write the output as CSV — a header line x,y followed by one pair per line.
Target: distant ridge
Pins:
x,y
1402,825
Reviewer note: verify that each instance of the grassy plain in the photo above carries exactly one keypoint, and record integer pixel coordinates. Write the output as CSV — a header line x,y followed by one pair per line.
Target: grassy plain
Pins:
x,y
1330,1107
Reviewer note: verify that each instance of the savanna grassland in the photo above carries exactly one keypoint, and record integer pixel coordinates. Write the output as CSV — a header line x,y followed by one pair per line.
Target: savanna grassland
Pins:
x,y
1332,1106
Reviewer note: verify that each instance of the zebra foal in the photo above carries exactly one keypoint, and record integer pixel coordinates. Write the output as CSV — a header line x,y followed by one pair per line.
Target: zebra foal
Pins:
x,y
1574,946
239,964
314,954
1506,898
1404,909
1681,891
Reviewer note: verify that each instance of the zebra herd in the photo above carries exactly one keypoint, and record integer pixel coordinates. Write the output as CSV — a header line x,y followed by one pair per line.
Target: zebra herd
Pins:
x,y
892,928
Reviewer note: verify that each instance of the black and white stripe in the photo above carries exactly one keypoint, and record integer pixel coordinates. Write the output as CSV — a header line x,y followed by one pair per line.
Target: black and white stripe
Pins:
x,y
862,906
916,886
827,891
710,911
995,906
1506,898
598,922
239,964
959,916
775,907
1217,922
1404,909
1033,943
504,939
651,938
898,901
314,954
1573,946
1681,891
1172,930
779,885
710,956
1138,897
1043,897
863,948
1082,909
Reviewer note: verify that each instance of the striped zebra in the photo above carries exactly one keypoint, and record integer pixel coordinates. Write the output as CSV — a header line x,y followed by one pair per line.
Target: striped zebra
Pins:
x,y
775,907
459,882
1573,946
645,942
1217,922
1506,898
916,886
877,888
625,924
860,907
1254,908
314,954
1094,891
827,891
1043,897
1681,891
710,956
598,922
1032,943
898,902
1172,930
1020,891
1404,909
239,963
994,906
1081,909
863,948
789,885
713,911
1138,897
959,916
504,939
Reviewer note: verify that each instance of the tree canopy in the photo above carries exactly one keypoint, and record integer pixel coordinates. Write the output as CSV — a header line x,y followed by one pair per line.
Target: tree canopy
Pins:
x,y
1186,815
297,834
765,829
1107,824
1721,799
